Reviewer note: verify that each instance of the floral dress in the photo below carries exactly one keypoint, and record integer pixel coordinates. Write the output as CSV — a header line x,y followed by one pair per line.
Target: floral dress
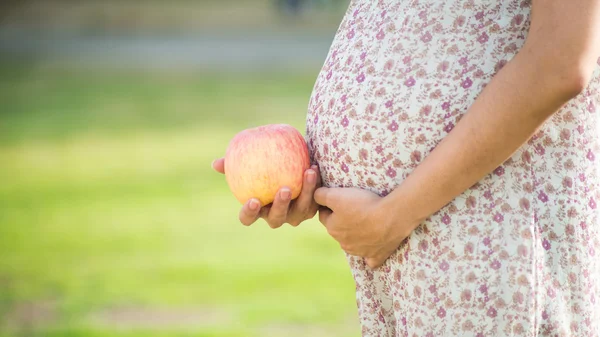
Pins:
x,y
518,254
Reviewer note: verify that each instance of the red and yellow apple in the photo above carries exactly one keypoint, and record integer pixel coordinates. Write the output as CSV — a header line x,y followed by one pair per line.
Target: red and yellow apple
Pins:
x,y
259,161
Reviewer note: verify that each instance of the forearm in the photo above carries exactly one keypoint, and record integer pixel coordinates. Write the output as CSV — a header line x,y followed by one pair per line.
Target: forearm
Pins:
x,y
506,114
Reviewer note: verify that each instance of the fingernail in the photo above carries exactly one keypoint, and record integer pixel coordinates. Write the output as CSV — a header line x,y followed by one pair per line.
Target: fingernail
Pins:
x,y
314,167
254,204
285,194
311,177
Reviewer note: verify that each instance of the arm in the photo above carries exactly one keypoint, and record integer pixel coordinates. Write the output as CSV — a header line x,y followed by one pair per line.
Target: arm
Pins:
x,y
554,65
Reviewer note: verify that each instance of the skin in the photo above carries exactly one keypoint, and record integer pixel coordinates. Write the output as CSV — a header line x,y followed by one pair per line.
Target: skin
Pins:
x,y
554,66
282,210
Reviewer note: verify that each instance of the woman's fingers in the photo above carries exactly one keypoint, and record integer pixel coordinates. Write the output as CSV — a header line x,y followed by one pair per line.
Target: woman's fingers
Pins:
x,y
304,206
374,263
250,212
219,165
277,215
324,214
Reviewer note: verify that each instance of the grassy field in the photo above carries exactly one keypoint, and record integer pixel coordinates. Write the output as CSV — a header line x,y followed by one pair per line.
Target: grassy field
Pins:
x,y
112,222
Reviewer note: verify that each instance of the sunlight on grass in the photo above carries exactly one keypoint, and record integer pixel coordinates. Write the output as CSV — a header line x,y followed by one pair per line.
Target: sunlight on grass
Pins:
x,y
94,220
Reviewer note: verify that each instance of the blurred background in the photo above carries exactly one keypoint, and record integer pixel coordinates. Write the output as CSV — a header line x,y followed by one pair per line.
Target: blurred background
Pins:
x,y
112,222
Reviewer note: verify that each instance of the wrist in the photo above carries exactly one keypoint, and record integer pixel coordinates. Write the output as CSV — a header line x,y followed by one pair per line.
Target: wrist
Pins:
x,y
399,215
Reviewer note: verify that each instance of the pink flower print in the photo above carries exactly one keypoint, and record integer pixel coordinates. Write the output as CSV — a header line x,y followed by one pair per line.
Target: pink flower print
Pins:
x,y
389,104
517,20
463,61
580,129
393,126
483,38
524,203
432,289
449,127
591,108
492,312
345,168
406,59
499,171
544,315
479,334
379,149
343,99
539,149
543,197
551,292
583,225
498,217
590,155
350,34
391,172
441,312
567,182
446,219
592,203
345,121
426,37
479,15
446,106
486,241
363,55
496,265
423,245
389,64
410,82
487,194
360,78
546,244
483,288
349,60
380,35
518,297
467,83
329,74
444,266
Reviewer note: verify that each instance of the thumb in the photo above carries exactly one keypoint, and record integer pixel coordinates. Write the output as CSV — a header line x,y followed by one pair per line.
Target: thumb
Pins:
x,y
328,197
219,165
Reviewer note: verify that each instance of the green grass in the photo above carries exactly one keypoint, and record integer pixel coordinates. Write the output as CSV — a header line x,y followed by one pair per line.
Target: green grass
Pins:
x,y
109,211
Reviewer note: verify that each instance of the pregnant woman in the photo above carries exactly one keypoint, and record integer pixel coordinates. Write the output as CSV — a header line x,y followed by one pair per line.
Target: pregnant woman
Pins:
x,y
458,146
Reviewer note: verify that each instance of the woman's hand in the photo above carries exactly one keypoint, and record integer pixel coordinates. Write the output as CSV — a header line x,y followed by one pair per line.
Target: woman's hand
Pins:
x,y
362,223
282,210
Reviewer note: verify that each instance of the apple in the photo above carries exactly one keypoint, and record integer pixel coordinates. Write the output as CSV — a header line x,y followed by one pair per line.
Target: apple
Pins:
x,y
261,160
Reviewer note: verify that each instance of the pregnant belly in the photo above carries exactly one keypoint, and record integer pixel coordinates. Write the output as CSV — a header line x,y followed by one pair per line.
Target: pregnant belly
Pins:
x,y
373,154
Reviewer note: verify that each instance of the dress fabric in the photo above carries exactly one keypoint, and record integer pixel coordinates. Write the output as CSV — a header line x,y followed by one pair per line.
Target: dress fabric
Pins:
x,y
518,254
